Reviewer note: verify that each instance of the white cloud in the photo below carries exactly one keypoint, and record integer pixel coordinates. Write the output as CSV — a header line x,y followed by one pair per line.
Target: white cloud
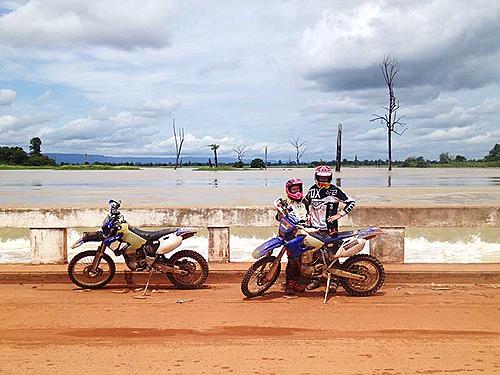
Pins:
x,y
449,134
123,24
7,97
7,122
157,108
343,104
198,145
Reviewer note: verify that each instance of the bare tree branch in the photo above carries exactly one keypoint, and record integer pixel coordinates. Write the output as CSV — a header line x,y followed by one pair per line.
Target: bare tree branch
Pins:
x,y
179,141
389,68
240,152
300,148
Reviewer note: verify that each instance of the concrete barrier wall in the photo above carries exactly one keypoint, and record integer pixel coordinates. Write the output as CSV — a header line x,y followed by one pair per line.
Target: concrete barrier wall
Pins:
x,y
48,226
454,216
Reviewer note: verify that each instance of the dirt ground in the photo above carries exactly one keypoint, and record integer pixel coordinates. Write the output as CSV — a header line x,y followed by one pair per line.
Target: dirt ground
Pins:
x,y
404,329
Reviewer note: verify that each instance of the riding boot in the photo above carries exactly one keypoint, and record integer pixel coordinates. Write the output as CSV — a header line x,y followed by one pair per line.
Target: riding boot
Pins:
x,y
292,274
315,283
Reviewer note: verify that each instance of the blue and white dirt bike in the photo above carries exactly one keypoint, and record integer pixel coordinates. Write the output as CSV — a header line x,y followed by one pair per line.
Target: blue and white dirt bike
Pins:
x,y
319,257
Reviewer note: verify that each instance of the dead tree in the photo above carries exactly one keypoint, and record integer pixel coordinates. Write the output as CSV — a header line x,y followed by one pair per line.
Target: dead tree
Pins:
x,y
179,141
339,148
240,152
265,157
214,148
300,148
390,119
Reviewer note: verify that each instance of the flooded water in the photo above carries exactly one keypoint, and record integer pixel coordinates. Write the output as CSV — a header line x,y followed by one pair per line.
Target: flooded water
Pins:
x,y
160,187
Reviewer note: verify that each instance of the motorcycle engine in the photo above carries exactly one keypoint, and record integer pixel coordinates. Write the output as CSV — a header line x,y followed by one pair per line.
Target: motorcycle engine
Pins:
x,y
135,259
151,248
311,263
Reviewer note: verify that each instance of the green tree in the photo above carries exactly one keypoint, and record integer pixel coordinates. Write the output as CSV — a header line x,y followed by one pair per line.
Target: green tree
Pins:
x,y
460,159
414,162
494,154
12,155
444,158
40,160
35,146
257,163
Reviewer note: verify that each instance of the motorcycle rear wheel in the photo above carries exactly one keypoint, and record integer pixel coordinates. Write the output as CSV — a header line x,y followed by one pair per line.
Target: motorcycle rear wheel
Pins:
x,y
253,283
192,262
368,266
80,274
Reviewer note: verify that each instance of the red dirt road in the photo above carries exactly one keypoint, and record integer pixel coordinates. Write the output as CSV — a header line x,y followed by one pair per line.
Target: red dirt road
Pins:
x,y
402,330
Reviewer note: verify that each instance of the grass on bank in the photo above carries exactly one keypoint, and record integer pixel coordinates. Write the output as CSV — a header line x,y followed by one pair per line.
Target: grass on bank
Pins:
x,y
83,167
223,168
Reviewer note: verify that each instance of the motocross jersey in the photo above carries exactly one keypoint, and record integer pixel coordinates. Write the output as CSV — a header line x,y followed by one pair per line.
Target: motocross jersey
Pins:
x,y
324,203
297,207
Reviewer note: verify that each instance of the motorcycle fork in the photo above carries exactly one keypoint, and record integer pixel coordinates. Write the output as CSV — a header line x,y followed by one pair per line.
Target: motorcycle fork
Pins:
x,y
274,267
98,256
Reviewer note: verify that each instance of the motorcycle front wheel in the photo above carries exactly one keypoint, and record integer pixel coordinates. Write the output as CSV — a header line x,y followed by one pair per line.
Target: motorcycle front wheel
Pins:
x,y
80,273
367,266
254,282
196,266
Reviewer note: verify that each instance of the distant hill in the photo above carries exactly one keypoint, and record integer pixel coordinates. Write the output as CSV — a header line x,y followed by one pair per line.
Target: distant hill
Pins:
x,y
80,159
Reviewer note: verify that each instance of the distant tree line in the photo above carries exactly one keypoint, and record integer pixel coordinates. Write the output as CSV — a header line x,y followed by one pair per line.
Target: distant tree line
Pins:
x,y
17,156
445,159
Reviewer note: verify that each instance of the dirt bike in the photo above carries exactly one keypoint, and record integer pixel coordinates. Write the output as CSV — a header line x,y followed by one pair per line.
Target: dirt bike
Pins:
x,y
142,250
319,256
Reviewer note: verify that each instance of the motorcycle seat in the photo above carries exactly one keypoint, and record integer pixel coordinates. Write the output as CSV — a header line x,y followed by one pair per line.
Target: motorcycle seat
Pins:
x,y
154,235
338,237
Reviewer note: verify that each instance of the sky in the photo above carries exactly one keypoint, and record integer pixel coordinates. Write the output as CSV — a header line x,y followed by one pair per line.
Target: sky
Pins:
x,y
108,77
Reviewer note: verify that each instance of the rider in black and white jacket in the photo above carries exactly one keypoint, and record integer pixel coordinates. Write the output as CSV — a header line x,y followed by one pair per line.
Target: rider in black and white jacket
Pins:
x,y
322,201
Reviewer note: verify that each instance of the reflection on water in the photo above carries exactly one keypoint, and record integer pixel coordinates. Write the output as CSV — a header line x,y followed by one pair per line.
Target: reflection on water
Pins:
x,y
45,188
353,177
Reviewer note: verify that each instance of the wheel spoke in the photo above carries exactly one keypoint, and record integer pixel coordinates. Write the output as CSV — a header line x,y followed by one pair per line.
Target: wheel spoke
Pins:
x,y
83,274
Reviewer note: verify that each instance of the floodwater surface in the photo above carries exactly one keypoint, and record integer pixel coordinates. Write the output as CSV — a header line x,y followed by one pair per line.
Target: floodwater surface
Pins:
x,y
163,187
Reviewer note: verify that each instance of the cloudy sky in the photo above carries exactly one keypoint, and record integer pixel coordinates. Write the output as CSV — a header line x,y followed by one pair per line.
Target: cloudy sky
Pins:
x,y
108,76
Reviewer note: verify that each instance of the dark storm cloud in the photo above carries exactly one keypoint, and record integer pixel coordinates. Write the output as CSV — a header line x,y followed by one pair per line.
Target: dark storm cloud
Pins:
x,y
461,51
449,73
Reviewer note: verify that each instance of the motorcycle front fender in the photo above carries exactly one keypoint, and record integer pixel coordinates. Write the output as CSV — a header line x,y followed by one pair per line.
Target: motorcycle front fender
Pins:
x,y
267,246
88,237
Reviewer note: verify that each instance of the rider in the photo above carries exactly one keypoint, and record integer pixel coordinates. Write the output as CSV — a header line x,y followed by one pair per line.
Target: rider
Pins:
x,y
322,201
293,203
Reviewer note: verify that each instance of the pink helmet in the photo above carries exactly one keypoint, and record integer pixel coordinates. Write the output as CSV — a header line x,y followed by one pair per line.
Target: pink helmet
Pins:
x,y
323,171
294,182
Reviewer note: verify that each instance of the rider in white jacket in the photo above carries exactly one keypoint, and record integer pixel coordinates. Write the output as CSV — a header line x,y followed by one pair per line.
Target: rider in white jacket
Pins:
x,y
293,203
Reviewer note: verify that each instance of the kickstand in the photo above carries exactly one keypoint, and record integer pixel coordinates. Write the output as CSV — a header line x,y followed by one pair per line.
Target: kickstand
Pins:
x,y
147,284
327,287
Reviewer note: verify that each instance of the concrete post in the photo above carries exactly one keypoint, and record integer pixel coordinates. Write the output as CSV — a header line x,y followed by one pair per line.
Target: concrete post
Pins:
x,y
218,244
48,245
389,247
